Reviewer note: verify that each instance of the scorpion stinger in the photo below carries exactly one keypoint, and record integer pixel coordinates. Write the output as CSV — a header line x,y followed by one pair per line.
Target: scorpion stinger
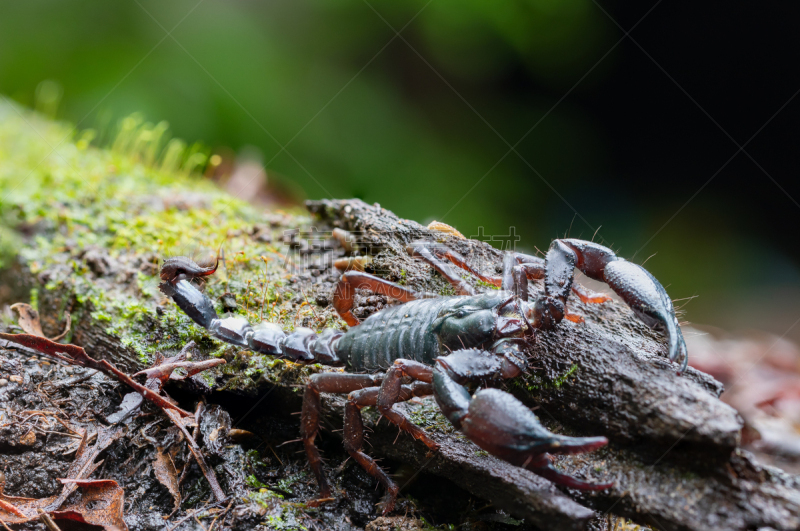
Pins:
x,y
440,346
181,267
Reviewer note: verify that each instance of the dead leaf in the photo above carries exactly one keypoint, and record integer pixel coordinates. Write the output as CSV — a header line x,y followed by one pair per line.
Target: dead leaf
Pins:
x,y
17,510
101,502
208,472
29,439
165,472
28,319
76,355
67,327
11,508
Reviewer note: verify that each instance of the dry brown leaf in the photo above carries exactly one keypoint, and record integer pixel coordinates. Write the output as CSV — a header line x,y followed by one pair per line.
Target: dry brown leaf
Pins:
x,y
67,327
16,510
29,439
101,502
28,319
8,507
165,472
208,472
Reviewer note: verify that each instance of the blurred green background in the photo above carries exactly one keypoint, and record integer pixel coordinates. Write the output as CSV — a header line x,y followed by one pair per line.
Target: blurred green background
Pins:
x,y
539,115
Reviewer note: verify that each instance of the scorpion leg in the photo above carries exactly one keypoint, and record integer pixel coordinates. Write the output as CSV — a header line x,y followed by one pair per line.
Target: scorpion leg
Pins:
x,y
354,432
392,392
634,284
312,409
519,265
498,422
353,280
433,254
517,269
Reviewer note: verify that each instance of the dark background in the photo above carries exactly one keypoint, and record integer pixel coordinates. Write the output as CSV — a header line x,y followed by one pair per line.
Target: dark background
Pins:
x,y
638,135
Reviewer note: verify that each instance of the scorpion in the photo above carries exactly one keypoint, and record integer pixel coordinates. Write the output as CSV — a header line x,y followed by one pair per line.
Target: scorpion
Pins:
x,y
440,345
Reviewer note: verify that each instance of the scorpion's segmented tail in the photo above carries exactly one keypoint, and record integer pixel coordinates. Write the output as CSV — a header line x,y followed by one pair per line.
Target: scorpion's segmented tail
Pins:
x,y
303,345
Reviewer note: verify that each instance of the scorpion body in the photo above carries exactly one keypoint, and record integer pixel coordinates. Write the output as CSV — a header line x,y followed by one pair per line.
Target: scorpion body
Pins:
x,y
431,345
408,331
412,331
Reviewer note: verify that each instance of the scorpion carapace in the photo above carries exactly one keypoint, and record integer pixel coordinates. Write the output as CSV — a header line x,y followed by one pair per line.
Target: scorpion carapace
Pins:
x,y
431,345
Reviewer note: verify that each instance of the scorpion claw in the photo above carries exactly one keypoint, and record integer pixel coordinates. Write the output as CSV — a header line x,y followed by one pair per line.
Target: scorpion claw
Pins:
x,y
548,471
560,444
685,354
649,301
505,427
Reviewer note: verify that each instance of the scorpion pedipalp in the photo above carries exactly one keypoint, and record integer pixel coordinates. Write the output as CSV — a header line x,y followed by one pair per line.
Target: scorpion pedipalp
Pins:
x,y
506,428
640,290
498,422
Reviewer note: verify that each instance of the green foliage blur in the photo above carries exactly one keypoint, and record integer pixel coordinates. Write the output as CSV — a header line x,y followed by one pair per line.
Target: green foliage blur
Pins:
x,y
431,122
327,80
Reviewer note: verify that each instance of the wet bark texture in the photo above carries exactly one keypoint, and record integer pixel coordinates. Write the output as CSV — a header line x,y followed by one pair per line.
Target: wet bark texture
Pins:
x,y
674,455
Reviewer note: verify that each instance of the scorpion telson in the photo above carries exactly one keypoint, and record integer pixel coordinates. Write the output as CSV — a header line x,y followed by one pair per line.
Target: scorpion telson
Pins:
x,y
181,267
431,345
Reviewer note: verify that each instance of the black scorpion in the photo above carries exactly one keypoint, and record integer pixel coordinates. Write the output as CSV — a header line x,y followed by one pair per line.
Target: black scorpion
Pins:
x,y
442,344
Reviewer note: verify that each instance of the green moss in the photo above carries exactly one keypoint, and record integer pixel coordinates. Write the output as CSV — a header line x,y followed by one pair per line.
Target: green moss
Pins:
x,y
277,523
535,382
486,284
447,290
280,515
559,381
287,484
111,199
34,299
133,205
429,416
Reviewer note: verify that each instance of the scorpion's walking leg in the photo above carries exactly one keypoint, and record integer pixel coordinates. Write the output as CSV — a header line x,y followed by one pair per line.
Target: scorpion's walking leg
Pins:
x,y
435,254
353,280
312,409
354,432
517,269
498,422
392,392
638,288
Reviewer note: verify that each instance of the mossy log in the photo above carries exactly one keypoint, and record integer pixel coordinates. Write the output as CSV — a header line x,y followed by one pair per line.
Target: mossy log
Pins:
x,y
84,230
